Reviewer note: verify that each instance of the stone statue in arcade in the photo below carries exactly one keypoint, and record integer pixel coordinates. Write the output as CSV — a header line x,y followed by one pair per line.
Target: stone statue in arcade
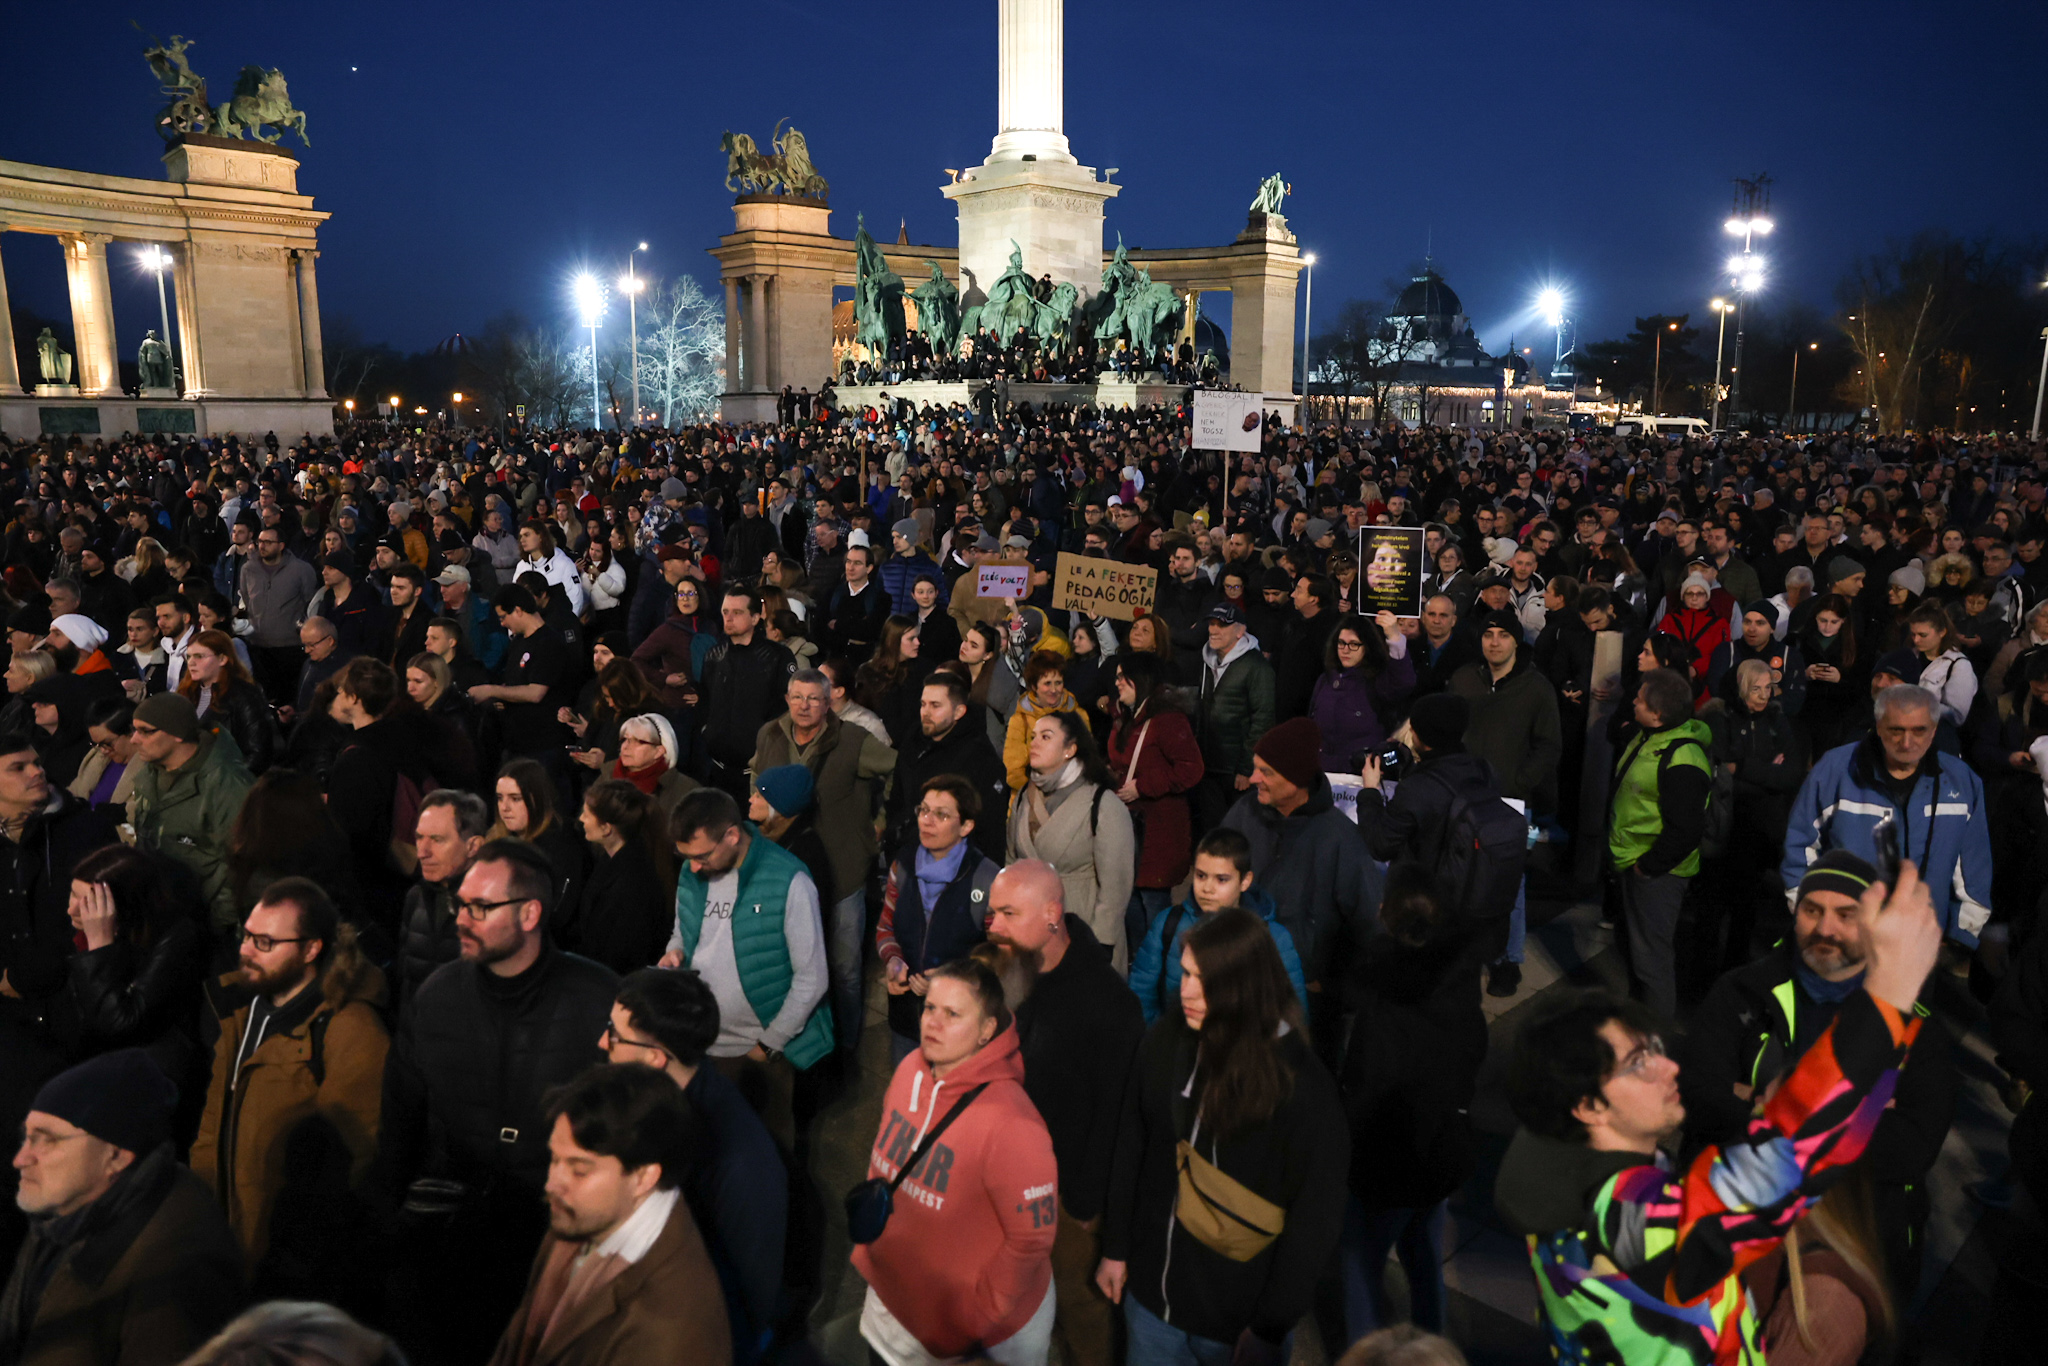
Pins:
x,y
1052,322
877,297
938,311
1272,196
153,360
1010,302
53,362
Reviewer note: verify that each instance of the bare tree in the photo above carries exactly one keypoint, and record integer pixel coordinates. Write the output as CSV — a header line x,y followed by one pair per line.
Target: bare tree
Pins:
x,y
682,356
552,378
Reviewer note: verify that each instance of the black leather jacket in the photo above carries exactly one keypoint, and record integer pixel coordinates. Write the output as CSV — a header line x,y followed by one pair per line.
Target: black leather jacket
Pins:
x,y
244,713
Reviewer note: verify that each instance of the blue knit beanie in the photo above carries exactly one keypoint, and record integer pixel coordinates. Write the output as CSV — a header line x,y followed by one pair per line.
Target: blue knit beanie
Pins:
x,y
788,788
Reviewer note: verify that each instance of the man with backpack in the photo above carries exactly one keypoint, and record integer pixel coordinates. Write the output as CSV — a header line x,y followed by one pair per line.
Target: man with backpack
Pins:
x,y
1447,815
1222,878
1662,786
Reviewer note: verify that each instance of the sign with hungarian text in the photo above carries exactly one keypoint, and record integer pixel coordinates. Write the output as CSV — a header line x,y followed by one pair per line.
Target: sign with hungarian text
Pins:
x,y
1104,588
1002,581
1227,421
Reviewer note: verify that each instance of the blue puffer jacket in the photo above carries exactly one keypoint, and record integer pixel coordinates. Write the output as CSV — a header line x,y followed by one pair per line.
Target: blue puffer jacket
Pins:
x,y
1155,972
900,574
1945,828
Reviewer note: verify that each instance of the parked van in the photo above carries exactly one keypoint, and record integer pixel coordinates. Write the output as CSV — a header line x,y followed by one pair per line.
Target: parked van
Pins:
x,y
1638,425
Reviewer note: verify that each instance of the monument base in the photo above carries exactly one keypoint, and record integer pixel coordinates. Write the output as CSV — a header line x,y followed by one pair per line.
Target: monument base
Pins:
x,y
56,391
68,414
148,391
747,407
1108,393
1051,210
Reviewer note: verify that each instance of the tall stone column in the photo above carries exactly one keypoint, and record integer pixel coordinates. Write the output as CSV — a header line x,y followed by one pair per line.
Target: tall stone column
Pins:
x,y
10,368
185,291
757,333
309,326
733,345
92,312
1031,85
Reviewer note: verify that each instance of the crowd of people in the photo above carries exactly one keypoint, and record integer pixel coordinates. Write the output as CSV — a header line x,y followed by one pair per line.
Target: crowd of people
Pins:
x,y
1024,358
448,876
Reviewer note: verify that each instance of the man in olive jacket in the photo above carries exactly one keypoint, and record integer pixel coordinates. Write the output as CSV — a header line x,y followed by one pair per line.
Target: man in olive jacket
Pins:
x,y
850,772
187,797
290,1126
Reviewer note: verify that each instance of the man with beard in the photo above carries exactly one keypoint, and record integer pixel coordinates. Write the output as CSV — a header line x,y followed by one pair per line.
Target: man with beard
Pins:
x,y
1079,1027
1759,1020
463,1138
623,1274
74,642
298,1068
274,591
949,743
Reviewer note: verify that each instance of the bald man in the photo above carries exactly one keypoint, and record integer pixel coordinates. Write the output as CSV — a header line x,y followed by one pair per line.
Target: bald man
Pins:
x,y
1080,1027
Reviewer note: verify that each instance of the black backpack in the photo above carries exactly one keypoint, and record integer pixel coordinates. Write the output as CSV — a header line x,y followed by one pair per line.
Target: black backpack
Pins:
x,y
1485,851
1720,797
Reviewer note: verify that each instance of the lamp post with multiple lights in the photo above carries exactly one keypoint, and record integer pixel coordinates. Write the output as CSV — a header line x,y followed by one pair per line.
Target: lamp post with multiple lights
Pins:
x,y
1750,220
630,283
590,305
1724,308
156,261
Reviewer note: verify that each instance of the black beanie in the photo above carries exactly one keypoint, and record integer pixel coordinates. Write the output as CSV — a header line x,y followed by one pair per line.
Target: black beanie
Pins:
x,y
122,1098
1838,870
1439,721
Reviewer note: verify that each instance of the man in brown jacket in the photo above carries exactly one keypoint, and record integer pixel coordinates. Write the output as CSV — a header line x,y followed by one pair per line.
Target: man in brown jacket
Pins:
x,y
622,1279
297,1086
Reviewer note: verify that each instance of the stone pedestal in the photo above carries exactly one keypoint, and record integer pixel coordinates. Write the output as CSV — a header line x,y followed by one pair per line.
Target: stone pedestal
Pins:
x,y
1051,210
150,391
1266,227
200,159
57,391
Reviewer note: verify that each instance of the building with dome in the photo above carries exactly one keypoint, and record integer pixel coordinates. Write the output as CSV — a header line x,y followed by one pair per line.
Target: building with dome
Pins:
x,y
1426,366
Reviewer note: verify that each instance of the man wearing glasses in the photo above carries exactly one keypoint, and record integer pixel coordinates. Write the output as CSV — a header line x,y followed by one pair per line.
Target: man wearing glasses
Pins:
x,y
1637,1262
275,589
668,1019
464,1136
299,1067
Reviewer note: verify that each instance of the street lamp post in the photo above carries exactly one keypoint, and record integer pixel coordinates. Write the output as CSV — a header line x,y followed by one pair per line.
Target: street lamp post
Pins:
x,y
590,303
1792,398
1722,307
631,284
2039,385
1750,220
1657,373
156,260
1307,313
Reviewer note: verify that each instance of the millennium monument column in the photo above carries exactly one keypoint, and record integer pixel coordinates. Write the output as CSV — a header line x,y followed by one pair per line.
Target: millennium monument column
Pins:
x,y
1030,191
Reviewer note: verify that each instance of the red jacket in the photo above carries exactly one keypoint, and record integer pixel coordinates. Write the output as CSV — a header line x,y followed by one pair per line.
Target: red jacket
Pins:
x,y
1169,766
967,1255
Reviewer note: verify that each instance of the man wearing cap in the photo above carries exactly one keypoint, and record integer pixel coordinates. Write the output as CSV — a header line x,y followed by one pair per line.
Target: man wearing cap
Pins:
x,y
851,770
1307,855
1759,641
462,604
75,643
187,796
1236,707
354,610
1758,1021
128,1260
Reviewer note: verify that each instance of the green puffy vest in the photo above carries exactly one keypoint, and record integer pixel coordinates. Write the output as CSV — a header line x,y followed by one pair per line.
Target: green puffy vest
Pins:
x,y
758,946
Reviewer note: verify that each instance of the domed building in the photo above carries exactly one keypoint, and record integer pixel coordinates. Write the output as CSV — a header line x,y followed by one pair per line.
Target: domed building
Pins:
x,y
1427,365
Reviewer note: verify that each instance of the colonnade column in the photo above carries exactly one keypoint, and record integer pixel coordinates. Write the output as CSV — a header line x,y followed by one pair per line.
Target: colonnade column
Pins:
x,y
309,325
757,333
186,278
733,344
92,312
10,369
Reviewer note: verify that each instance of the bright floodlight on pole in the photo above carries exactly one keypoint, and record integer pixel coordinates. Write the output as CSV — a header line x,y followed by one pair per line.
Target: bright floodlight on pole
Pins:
x,y
156,261
1551,304
590,304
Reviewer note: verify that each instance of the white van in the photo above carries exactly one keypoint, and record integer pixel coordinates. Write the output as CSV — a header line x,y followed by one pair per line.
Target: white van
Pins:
x,y
1638,425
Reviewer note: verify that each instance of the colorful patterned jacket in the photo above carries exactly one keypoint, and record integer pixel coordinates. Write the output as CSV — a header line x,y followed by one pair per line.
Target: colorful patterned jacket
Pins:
x,y
1642,1265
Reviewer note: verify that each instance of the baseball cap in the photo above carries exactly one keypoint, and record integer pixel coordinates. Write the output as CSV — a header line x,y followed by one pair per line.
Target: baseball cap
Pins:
x,y
1226,614
453,573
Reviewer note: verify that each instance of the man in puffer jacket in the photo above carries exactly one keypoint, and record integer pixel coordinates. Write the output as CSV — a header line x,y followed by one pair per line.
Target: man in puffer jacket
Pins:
x,y
901,571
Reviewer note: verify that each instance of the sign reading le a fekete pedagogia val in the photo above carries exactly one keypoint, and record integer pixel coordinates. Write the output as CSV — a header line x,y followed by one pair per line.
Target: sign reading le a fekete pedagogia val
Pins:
x,y
1390,565
1103,588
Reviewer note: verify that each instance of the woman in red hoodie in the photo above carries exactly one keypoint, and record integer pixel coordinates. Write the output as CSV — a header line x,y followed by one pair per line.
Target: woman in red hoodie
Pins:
x,y
964,1267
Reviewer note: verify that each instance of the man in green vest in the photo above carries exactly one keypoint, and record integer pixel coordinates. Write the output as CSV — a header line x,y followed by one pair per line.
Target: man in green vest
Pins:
x,y
748,921
1661,787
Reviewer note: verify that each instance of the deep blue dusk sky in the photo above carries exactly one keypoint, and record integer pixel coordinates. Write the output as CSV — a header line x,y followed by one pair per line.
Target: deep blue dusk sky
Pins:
x,y
472,154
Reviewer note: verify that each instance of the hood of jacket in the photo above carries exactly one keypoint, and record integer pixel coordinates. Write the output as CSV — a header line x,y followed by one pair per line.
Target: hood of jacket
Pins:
x,y
1219,663
927,1097
1548,1184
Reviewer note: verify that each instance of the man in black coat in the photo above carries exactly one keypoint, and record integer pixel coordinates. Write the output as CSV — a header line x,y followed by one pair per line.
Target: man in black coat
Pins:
x,y
463,1140
1079,1027
950,742
1439,646
745,678
1182,602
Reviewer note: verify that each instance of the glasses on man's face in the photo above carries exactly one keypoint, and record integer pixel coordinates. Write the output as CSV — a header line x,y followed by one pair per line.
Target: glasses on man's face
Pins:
x,y
614,1039
1646,1052
481,910
142,732
42,1140
264,943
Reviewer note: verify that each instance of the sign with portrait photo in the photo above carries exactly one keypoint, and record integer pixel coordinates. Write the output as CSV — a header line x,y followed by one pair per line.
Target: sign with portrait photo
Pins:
x,y
1390,570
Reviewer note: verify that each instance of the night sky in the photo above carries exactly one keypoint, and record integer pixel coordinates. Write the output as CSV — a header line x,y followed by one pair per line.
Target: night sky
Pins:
x,y
474,155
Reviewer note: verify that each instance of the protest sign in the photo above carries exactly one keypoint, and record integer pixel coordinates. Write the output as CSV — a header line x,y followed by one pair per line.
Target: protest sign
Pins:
x,y
1227,421
1002,581
1104,588
1390,560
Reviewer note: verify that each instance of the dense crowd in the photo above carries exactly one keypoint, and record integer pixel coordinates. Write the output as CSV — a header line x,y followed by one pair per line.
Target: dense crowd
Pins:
x,y
1026,359
446,875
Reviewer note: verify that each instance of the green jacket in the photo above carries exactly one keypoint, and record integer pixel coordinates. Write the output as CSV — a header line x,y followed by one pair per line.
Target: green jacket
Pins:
x,y
1638,807
758,947
188,814
850,769
1237,708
